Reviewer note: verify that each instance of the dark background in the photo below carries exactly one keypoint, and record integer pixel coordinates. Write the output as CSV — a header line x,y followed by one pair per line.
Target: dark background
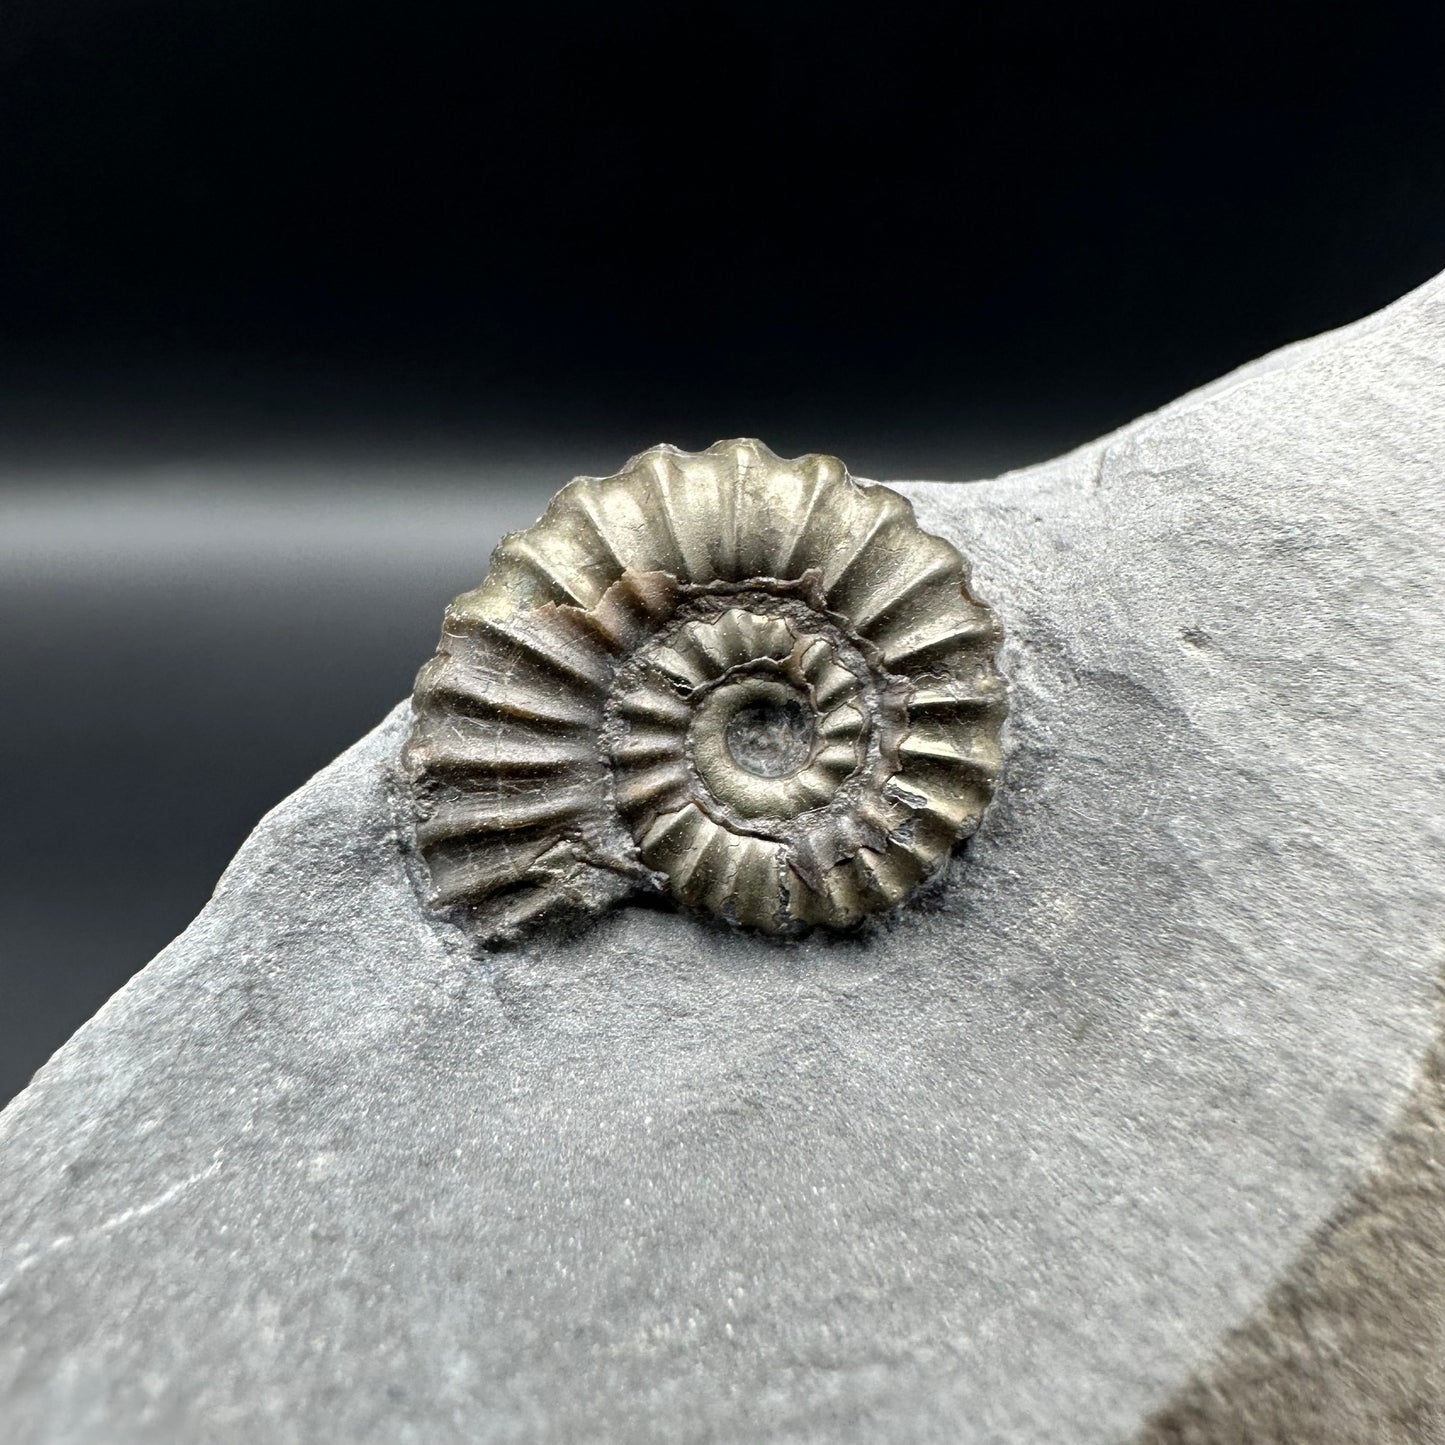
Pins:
x,y
302,303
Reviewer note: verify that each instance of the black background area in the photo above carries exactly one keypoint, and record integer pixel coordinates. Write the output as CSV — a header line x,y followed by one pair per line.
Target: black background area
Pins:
x,y
301,303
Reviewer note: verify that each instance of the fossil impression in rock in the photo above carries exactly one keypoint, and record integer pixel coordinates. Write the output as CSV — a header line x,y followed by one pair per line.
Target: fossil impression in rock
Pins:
x,y
753,685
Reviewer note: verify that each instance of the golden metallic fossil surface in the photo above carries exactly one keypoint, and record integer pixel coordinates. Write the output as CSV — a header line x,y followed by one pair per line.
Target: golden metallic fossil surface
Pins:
x,y
753,685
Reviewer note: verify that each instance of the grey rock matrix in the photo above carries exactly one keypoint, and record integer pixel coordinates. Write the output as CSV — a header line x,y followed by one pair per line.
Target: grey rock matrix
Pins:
x,y
1032,1164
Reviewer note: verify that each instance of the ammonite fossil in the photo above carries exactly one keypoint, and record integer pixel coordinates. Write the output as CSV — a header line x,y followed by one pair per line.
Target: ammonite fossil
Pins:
x,y
755,686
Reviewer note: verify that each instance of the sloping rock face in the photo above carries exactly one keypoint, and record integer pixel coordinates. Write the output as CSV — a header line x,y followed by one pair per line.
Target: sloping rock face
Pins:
x,y
1011,1167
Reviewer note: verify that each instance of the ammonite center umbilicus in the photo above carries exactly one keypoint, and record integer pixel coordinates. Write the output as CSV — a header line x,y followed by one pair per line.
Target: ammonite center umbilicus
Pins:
x,y
754,685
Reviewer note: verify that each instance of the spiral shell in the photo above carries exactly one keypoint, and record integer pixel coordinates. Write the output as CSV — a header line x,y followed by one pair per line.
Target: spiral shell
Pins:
x,y
756,686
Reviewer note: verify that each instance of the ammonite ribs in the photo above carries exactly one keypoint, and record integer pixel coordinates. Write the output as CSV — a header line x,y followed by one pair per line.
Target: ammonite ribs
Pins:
x,y
753,685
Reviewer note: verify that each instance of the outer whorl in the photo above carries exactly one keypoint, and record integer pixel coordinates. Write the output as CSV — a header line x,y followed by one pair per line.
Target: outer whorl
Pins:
x,y
751,684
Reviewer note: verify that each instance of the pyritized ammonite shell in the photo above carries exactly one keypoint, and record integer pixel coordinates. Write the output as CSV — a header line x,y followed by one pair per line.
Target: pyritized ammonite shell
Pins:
x,y
750,684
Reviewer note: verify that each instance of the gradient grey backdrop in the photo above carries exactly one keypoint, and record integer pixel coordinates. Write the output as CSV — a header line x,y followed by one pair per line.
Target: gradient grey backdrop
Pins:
x,y
302,304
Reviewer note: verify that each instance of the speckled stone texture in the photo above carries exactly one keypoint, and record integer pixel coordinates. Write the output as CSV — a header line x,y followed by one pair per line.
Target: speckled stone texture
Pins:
x,y
1034,1163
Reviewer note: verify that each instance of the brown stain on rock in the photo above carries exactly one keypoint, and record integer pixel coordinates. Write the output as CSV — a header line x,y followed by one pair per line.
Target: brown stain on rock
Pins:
x,y
1349,1349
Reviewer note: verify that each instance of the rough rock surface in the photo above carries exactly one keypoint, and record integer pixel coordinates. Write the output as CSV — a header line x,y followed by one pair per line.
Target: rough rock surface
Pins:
x,y
1012,1168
